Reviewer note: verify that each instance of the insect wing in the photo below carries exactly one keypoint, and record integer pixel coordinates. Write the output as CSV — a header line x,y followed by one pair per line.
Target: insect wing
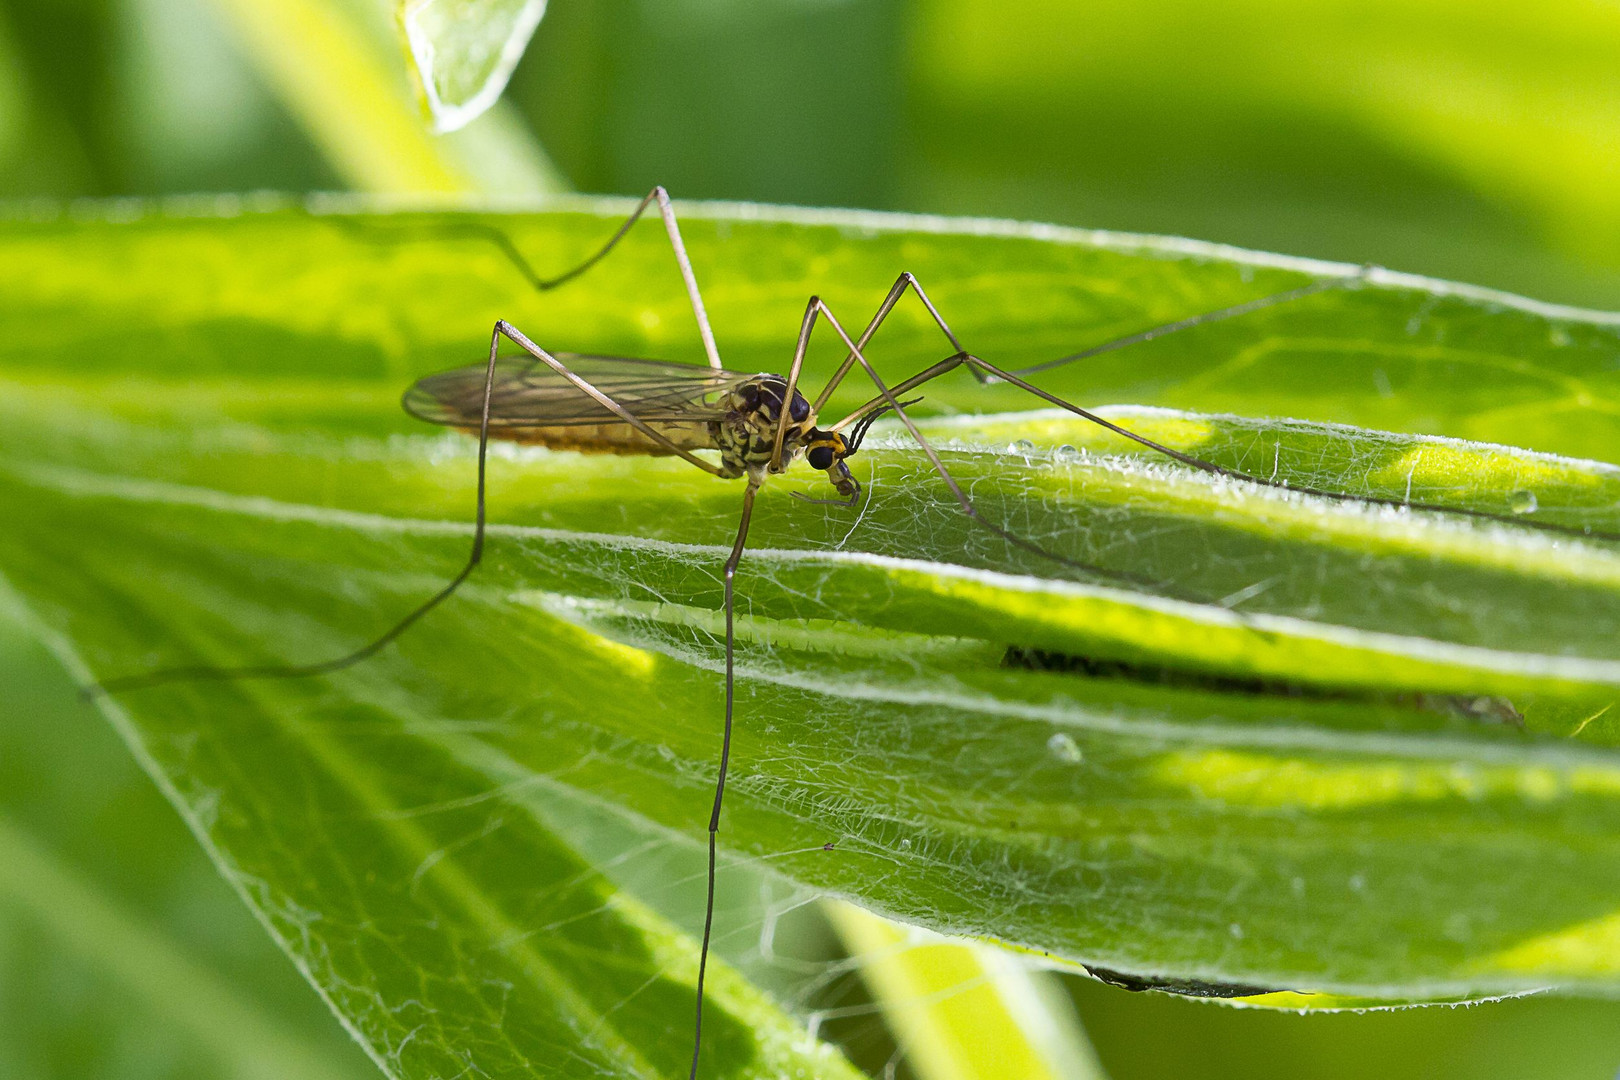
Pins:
x,y
529,393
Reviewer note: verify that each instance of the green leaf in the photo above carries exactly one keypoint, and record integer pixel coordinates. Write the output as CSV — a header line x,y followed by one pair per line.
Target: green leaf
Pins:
x,y
1275,757
121,951
465,50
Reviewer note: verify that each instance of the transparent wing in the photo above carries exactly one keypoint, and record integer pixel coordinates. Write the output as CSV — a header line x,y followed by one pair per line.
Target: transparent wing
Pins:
x,y
529,393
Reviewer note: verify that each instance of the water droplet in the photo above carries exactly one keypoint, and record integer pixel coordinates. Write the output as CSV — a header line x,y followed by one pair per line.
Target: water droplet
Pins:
x,y
1023,448
1065,455
905,844
1063,748
1523,502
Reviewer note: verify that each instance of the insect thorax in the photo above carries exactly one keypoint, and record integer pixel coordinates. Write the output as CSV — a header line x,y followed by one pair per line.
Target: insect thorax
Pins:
x,y
747,435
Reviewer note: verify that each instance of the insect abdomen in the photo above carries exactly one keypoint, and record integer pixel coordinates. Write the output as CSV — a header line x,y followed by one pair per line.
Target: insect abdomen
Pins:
x,y
612,438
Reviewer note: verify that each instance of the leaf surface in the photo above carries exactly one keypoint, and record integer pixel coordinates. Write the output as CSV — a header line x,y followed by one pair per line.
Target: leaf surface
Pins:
x,y
1265,741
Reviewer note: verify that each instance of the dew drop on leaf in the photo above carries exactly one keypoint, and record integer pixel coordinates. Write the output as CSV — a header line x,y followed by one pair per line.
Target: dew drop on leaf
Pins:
x,y
1065,455
1522,502
1063,748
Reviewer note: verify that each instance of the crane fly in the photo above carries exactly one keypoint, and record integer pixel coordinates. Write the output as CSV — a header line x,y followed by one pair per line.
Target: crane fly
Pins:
x,y
758,425
680,408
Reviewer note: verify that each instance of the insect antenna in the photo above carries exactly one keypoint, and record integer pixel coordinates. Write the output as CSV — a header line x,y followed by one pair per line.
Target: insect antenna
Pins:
x,y
853,443
857,434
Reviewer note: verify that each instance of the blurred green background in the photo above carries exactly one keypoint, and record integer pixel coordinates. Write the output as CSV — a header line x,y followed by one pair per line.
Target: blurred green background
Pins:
x,y
1478,141
1473,140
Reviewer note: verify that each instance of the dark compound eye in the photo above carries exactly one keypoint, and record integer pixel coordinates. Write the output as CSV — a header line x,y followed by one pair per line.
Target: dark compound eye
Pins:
x,y
801,408
820,457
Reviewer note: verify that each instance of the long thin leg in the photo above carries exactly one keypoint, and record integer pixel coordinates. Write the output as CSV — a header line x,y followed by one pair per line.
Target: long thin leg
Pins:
x,y
987,372
516,336
682,260
896,291
892,401
666,210
725,754
1237,474
963,358
806,324
195,673
290,671
909,281
1344,281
